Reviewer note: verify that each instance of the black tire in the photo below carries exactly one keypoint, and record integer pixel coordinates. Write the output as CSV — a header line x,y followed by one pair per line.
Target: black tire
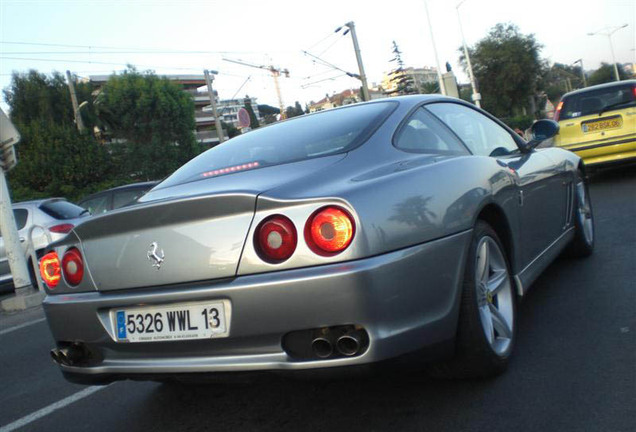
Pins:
x,y
582,244
475,356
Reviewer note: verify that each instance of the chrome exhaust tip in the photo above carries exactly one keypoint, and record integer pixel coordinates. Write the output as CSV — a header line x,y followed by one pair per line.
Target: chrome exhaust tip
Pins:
x,y
63,354
348,345
322,347
55,355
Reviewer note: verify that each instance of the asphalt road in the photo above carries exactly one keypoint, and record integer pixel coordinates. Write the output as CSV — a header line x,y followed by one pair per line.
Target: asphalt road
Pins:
x,y
574,367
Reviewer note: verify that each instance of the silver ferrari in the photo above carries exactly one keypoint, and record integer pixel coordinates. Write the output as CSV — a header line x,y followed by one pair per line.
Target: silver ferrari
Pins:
x,y
405,228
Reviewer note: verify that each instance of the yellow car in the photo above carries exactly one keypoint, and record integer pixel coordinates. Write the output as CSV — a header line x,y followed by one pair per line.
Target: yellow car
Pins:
x,y
598,123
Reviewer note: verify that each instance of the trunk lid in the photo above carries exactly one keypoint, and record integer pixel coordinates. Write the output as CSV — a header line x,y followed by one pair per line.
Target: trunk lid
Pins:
x,y
167,242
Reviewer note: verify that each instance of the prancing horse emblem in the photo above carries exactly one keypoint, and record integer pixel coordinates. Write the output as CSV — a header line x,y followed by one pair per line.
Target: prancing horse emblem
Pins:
x,y
154,256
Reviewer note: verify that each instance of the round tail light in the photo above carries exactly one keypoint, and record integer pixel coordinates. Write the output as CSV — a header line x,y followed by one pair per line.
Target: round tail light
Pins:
x,y
329,230
50,269
275,239
73,266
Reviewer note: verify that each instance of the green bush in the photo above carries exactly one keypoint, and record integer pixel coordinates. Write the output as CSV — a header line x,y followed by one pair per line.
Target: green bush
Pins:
x,y
522,122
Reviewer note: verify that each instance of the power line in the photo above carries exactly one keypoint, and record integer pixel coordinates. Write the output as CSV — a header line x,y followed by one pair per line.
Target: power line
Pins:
x,y
329,47
136,50
326,63
304,86
114,52
115,64
331,34
88,62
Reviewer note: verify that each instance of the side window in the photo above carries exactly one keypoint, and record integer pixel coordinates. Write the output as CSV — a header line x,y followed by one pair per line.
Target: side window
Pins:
x,y
21,216
97,205
483,136
120,199
422,133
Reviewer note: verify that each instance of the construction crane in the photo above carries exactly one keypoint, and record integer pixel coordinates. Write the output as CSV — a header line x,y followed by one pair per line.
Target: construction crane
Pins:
x,y
275,74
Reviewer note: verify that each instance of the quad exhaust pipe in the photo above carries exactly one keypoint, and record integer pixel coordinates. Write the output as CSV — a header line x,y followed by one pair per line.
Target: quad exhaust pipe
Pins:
x,y
346,345
349,344
69,356
322,347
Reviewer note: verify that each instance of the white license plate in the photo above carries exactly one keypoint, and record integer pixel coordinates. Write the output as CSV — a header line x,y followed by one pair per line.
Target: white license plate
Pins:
x,y
179,321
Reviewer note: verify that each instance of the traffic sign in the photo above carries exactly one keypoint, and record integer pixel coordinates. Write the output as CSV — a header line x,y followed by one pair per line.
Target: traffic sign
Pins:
x,y
9,137
243,118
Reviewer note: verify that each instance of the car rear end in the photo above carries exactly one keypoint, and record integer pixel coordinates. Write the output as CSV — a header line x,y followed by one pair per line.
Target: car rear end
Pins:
x,y
599,123
58,217
209,273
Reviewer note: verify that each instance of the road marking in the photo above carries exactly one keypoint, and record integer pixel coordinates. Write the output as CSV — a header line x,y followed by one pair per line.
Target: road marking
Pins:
x,y
18,327
51,408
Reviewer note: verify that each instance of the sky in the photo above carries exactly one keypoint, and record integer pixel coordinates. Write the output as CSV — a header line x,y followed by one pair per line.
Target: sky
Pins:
x,y
185,36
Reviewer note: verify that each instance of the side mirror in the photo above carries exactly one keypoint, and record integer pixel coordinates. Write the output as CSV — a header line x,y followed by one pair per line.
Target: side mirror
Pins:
x,y
542,130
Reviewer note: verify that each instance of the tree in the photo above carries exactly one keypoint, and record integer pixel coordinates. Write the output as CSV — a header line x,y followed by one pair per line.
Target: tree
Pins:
x,y
294,111
402,82
508,68
559,79
247,103
154,131
429,87
35,96
606,74
54,158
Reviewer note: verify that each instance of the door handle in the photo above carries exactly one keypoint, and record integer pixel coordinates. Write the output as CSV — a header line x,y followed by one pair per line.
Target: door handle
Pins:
x,y
22,239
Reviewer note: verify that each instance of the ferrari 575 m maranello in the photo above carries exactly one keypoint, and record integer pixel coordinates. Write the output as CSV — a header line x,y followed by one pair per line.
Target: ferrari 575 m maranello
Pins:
x,y
400,228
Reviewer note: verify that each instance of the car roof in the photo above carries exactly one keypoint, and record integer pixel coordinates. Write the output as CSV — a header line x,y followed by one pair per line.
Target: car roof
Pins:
x,y
37,202
139,185
599,86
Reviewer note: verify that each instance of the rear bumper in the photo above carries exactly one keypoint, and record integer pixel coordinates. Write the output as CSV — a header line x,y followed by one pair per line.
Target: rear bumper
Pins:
x,y
406,300
608,151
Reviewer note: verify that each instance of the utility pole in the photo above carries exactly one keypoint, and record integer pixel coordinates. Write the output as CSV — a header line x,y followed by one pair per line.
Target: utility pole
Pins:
x,y
476,95
217,121
24,295
356,48
76,111
609,32
582,72
442,87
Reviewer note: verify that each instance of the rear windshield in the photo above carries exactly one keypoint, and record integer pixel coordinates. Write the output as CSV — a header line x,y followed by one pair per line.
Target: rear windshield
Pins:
x,y
595,101
61,209
305,137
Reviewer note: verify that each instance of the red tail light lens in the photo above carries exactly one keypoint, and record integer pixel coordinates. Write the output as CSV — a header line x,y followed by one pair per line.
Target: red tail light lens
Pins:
x,y
329,230
73,266
62,228
557,111
276,239
50,269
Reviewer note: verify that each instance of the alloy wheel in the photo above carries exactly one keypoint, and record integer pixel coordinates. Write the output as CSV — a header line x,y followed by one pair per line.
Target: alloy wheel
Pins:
x,y
494,296
584,213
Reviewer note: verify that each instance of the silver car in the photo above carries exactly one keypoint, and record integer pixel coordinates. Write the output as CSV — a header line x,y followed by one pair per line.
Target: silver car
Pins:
x,y
401,228
40,222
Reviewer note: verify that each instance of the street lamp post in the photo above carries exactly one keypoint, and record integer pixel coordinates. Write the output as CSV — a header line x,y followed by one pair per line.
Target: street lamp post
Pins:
x,y
609,32
442,87
476,96
580,61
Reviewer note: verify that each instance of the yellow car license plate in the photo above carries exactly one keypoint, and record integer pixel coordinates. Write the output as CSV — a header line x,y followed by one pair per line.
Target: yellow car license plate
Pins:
x,y
600,125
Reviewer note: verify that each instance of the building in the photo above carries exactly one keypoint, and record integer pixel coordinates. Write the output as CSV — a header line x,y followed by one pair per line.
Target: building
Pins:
x,y
346,97
228,109
205,130
420,76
